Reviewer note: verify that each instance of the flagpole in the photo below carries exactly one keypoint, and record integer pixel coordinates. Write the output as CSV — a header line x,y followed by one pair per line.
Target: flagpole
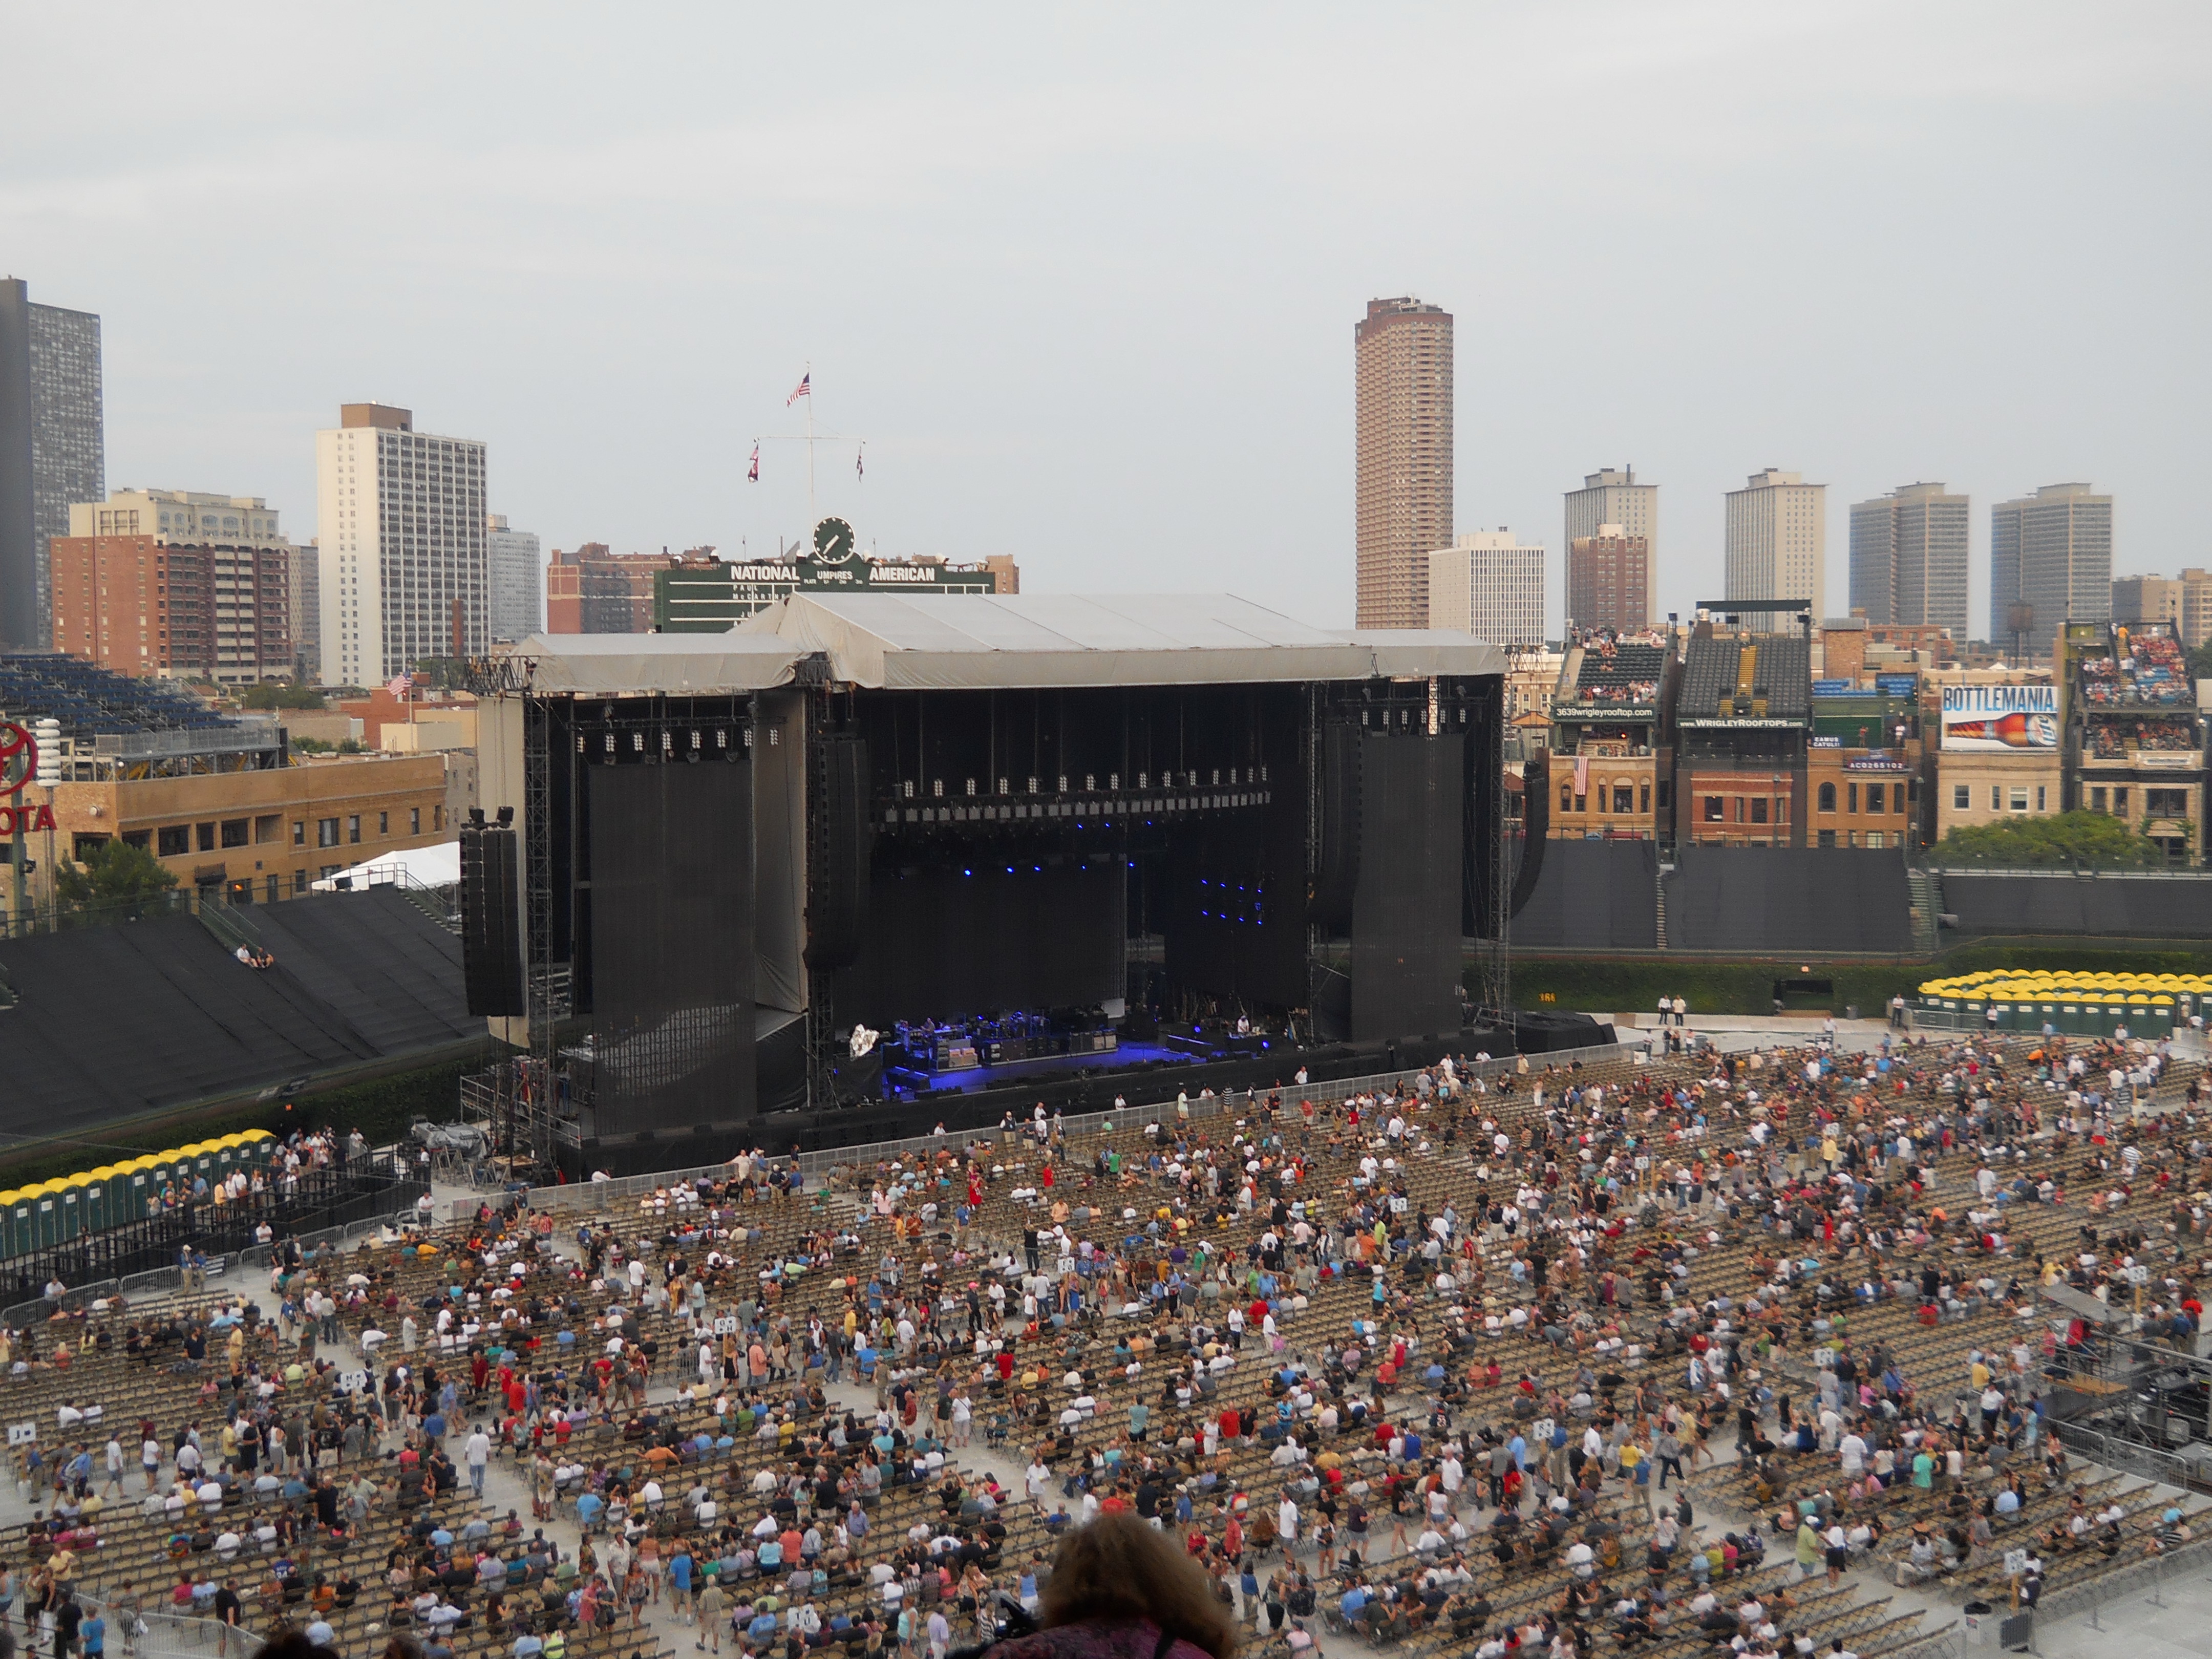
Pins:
x,y
811,515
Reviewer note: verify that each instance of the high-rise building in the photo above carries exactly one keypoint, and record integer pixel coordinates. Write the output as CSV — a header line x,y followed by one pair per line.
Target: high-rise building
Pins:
x,y
2196,606
594,591
1777,540
138,604
1609,579
53,448
1612,495
1402,351
1909,558
401,521
2147,598
2050,562
177,582
1490,585
517,611
308,614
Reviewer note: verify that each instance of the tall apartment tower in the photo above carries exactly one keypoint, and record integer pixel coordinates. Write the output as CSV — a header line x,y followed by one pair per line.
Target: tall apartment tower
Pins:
x,y
1402,350
516,609
401,525
1909,558
1490,585
2050,562
53,449
1612,496
1777,540
1609,579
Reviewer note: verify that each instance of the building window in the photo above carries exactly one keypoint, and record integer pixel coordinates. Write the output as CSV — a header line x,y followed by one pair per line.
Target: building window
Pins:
x,y
413,820
1962,797
299,832
237,832
1873,838
1828,805
2041,793
1566,797
1758,809
437,817
267,828
1874,798
2119,803
299,881
1712,809
1851,796
353,828
1624,799
1997,797
204,835
276,889
2166,803
2019,798
383,823
326,832
1581,803
1644,794
2096,798
1828,838
1663,786
141,839
175,841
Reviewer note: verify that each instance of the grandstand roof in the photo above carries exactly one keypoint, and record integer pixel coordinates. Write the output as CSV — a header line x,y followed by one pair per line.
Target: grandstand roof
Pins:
x,y
1781,674
89,700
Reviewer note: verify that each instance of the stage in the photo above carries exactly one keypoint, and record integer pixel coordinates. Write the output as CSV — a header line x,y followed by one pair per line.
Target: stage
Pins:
x,y
974,1080
877,812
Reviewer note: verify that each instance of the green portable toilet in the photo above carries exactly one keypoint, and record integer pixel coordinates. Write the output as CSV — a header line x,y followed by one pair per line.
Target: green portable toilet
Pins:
x,y
11,1214
46,1220
97,1213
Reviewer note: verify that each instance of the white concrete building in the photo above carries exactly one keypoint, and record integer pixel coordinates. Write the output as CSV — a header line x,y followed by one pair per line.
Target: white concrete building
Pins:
x,y
516,574
1491,584
401,524
180,515
1778,540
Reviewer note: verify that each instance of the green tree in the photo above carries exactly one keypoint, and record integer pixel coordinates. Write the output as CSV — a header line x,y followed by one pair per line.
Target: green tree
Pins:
x,y
280,694
2060,840
114,875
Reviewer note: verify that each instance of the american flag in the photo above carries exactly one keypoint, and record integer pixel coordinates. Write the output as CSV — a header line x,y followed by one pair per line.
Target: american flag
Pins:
x,y
806,389
752,473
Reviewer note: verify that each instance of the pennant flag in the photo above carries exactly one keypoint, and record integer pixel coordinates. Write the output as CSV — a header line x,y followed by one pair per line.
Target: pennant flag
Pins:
x,y
752,473
806,389
860,468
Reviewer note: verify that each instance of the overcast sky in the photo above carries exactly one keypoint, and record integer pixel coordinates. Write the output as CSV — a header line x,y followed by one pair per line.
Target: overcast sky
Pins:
x,y
1086,279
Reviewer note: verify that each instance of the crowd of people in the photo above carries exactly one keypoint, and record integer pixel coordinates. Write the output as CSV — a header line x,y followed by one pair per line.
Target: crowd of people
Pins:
x,y
1363,1361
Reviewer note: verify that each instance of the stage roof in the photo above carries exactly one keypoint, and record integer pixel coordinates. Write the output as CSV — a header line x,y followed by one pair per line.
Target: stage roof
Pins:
x,y
981,641
683,664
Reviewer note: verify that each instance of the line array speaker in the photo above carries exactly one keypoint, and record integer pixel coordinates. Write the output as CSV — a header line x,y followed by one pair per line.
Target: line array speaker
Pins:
x,y
491,927
844,844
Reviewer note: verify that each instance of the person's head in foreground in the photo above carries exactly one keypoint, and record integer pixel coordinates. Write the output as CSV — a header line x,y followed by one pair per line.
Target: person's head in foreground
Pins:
x,y
1121,1589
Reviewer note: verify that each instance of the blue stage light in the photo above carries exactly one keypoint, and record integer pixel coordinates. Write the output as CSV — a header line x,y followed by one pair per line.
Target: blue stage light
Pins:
x,y
967,872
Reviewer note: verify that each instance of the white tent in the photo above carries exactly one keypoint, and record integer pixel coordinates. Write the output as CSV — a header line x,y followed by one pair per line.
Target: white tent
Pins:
x,y
437,866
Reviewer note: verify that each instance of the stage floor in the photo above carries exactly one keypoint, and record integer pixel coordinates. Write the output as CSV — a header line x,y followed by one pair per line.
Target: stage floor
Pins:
x,y
977,1078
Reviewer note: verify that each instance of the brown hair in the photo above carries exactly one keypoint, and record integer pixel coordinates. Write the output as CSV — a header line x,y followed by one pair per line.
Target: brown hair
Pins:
x,y
1120,1568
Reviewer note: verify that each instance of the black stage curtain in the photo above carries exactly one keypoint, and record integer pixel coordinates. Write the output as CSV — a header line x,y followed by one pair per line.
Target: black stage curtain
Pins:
x,y
948,941
1405,909
671,945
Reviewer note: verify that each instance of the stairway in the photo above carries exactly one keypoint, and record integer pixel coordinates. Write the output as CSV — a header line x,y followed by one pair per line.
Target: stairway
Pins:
x,y
1927,890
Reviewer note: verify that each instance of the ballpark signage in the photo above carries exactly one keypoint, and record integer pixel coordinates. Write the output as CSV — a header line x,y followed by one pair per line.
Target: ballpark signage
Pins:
x,y
1999,718
18,765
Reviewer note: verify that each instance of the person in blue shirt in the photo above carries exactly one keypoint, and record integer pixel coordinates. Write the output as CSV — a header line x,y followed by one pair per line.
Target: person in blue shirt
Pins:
x,y
589,1505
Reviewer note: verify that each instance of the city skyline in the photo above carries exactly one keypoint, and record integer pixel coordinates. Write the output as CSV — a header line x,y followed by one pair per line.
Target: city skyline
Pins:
x,y
1012,326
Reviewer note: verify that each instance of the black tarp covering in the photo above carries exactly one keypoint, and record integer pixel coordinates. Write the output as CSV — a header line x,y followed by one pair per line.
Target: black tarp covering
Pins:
x,y
1592,896
110,1022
